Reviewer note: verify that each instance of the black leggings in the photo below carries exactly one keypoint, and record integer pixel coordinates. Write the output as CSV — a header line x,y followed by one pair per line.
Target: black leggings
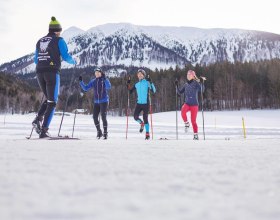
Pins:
x,y
138,109
100,108
49,83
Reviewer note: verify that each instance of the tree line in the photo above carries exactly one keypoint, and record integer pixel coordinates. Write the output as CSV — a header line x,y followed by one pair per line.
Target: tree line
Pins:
x,y
252,85
17,96
229,86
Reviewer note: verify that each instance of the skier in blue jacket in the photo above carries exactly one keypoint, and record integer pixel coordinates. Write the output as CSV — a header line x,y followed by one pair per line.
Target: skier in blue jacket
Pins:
x,y
100,85
48,53
191,89
142,88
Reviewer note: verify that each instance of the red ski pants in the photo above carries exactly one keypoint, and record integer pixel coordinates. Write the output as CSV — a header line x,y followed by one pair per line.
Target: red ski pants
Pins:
x,y
193,109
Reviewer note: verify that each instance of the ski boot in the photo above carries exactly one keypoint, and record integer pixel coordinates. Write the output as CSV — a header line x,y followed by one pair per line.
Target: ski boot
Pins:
x,y
37,124
105,136
195,137
44,133
99,134
147,136
141,127
187,126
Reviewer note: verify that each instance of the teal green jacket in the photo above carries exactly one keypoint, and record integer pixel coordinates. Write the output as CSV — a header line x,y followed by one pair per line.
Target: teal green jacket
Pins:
x,y
142,88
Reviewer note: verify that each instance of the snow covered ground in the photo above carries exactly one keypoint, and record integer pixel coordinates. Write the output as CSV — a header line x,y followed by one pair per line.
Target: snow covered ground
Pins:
x,y
137,179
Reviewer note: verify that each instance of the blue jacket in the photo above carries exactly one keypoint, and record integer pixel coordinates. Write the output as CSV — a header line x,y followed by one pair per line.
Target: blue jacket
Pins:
x,y
48,51
100,87
142,89
191,90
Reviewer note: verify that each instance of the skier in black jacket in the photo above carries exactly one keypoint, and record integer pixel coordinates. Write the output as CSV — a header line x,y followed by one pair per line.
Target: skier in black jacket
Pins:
x,y
49,50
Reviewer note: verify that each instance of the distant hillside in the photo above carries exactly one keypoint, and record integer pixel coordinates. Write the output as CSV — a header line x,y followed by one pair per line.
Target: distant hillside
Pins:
x,y
17,96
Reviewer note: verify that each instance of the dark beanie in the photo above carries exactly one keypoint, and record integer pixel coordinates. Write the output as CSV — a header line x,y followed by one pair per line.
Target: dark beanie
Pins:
x,y
99,70
54,26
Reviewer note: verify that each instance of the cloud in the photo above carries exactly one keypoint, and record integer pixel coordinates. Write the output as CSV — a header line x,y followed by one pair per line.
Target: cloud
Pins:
x,y
29,19
4,16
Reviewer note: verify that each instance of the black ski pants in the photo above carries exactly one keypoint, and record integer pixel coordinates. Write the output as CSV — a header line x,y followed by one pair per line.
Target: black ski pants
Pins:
x,y
49,83
137,111
100,108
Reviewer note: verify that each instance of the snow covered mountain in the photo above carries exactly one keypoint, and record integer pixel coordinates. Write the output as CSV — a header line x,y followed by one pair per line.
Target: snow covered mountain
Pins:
x,y
159,47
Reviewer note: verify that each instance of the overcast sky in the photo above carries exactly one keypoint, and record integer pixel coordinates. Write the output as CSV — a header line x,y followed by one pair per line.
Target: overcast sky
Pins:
x,y
23,22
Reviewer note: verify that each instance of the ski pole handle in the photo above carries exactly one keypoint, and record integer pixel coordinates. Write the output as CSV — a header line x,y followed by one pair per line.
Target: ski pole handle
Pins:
x,y
203,78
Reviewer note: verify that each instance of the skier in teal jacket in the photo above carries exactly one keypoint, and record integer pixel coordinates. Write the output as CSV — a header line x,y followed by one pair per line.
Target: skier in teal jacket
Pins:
x,y
142,88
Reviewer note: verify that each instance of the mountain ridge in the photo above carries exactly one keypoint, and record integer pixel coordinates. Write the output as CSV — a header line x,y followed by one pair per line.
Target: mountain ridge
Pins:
x,y
159,47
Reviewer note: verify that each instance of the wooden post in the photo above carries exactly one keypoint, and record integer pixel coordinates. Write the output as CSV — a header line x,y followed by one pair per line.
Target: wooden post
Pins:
x,y
244,129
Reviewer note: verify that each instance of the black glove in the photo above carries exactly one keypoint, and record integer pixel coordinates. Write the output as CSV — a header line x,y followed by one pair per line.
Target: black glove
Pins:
x,y
80,78
128,80
103,75
148,79
176,82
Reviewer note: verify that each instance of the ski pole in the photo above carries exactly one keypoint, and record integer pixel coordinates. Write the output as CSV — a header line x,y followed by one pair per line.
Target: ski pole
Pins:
x,y
128,106
66,103
74,123
151,108
202,102
176,84
151,115
30,134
